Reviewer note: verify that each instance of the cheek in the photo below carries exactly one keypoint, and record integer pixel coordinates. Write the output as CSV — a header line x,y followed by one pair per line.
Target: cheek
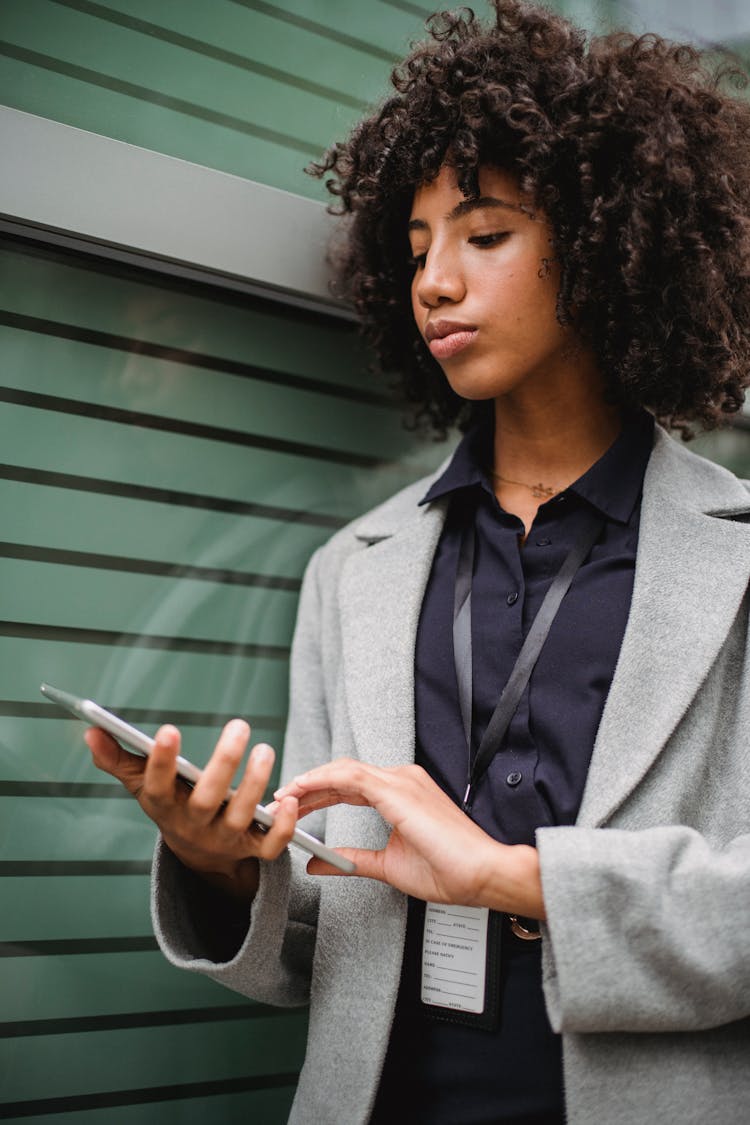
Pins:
x,y
520,293
416,308
508,295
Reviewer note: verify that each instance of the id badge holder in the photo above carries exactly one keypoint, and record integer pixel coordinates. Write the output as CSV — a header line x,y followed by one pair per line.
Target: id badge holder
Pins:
x,y
461,964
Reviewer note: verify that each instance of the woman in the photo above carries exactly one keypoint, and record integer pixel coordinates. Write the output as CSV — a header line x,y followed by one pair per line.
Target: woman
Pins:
x,y
550,241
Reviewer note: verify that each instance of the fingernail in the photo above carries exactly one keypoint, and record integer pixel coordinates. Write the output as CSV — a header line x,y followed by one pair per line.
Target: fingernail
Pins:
x,y
237,728
262,752
167,735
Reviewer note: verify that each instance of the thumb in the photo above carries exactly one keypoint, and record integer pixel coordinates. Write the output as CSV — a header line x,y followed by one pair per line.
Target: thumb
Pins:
x,y
368,864
110,757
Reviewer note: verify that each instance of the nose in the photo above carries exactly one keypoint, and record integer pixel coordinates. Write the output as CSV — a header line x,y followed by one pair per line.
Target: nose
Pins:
x,y
440,280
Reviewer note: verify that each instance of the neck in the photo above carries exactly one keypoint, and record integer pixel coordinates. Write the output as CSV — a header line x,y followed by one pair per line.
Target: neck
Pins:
x,y
552,441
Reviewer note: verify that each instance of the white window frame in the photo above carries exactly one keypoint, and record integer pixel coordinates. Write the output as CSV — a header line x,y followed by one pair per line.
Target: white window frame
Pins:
x,y
83,191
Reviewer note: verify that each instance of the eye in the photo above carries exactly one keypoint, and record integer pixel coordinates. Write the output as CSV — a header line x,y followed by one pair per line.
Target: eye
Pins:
x,y
417,261
483,240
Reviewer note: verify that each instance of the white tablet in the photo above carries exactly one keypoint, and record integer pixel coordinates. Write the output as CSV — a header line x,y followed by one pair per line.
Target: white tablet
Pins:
x,y
136,740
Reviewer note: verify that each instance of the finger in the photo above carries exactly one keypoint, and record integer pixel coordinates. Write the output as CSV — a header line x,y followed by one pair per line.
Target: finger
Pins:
x,y
350,781
368,864
210,791
109,756
272,843
325,799
241,808
161,770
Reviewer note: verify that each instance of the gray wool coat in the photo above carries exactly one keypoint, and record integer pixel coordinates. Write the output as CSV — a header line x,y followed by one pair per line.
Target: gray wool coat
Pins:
x,y
647,943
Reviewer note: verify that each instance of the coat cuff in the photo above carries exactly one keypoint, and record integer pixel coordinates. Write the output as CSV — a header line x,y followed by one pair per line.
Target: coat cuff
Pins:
x,y
178,913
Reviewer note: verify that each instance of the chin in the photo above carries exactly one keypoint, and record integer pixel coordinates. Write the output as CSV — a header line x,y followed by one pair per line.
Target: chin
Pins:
x,y
480,390
498,383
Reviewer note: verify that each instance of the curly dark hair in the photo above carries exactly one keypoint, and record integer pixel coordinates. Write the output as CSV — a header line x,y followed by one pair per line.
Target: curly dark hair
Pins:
x,y
637,151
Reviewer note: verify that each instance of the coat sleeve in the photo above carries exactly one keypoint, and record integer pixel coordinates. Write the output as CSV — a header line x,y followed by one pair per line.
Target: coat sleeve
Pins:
x,y
647,931
273,960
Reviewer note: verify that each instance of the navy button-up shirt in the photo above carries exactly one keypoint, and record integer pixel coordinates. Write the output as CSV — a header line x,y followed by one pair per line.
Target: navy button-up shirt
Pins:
x,y
468,1075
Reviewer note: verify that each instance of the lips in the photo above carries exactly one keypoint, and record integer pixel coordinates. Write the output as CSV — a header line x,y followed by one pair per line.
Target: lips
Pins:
x,y
445,338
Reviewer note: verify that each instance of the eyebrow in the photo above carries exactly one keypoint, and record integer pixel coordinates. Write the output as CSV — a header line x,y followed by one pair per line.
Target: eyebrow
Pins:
x,y
465,207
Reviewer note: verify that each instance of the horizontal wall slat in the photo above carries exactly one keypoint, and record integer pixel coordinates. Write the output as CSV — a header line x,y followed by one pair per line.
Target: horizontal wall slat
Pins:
x,y
91,560
119,1021
23,710
190,357
179,610
198,397
92,1063
160,1097
79,906
141,456
354,28
230,1108
355,45
71,947
64,789
67,406
100,984
67,868
256,42
408,7
145,677
107,638
244,331
173,504
44,518
73,830
38,746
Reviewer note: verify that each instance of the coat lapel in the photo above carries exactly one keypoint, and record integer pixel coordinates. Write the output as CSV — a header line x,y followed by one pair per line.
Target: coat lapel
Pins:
x,y
692,572
381,593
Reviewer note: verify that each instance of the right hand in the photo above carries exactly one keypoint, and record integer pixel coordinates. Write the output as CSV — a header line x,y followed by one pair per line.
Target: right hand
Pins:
x,y
217,841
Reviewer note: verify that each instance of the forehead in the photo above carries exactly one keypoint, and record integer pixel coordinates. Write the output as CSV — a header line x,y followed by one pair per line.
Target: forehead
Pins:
x,y
442,195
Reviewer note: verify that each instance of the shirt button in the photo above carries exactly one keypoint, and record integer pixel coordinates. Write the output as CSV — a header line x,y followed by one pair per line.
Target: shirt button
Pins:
x,y
512,598
543,542
514,779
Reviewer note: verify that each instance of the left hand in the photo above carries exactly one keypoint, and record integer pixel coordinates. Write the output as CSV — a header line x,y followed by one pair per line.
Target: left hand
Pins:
x,y
435,852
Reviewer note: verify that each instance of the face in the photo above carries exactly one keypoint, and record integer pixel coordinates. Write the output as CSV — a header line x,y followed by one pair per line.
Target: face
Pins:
x,y
485,287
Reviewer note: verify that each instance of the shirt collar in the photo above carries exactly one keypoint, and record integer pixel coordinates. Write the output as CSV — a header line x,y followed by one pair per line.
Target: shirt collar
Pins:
x,y
466,466
612,485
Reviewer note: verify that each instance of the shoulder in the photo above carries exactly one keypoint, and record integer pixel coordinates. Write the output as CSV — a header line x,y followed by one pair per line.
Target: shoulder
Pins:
x,y
685,478
400,511
400,524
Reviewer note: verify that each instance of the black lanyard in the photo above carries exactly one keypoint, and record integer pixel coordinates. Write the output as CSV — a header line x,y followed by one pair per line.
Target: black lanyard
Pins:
x,y
527,657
